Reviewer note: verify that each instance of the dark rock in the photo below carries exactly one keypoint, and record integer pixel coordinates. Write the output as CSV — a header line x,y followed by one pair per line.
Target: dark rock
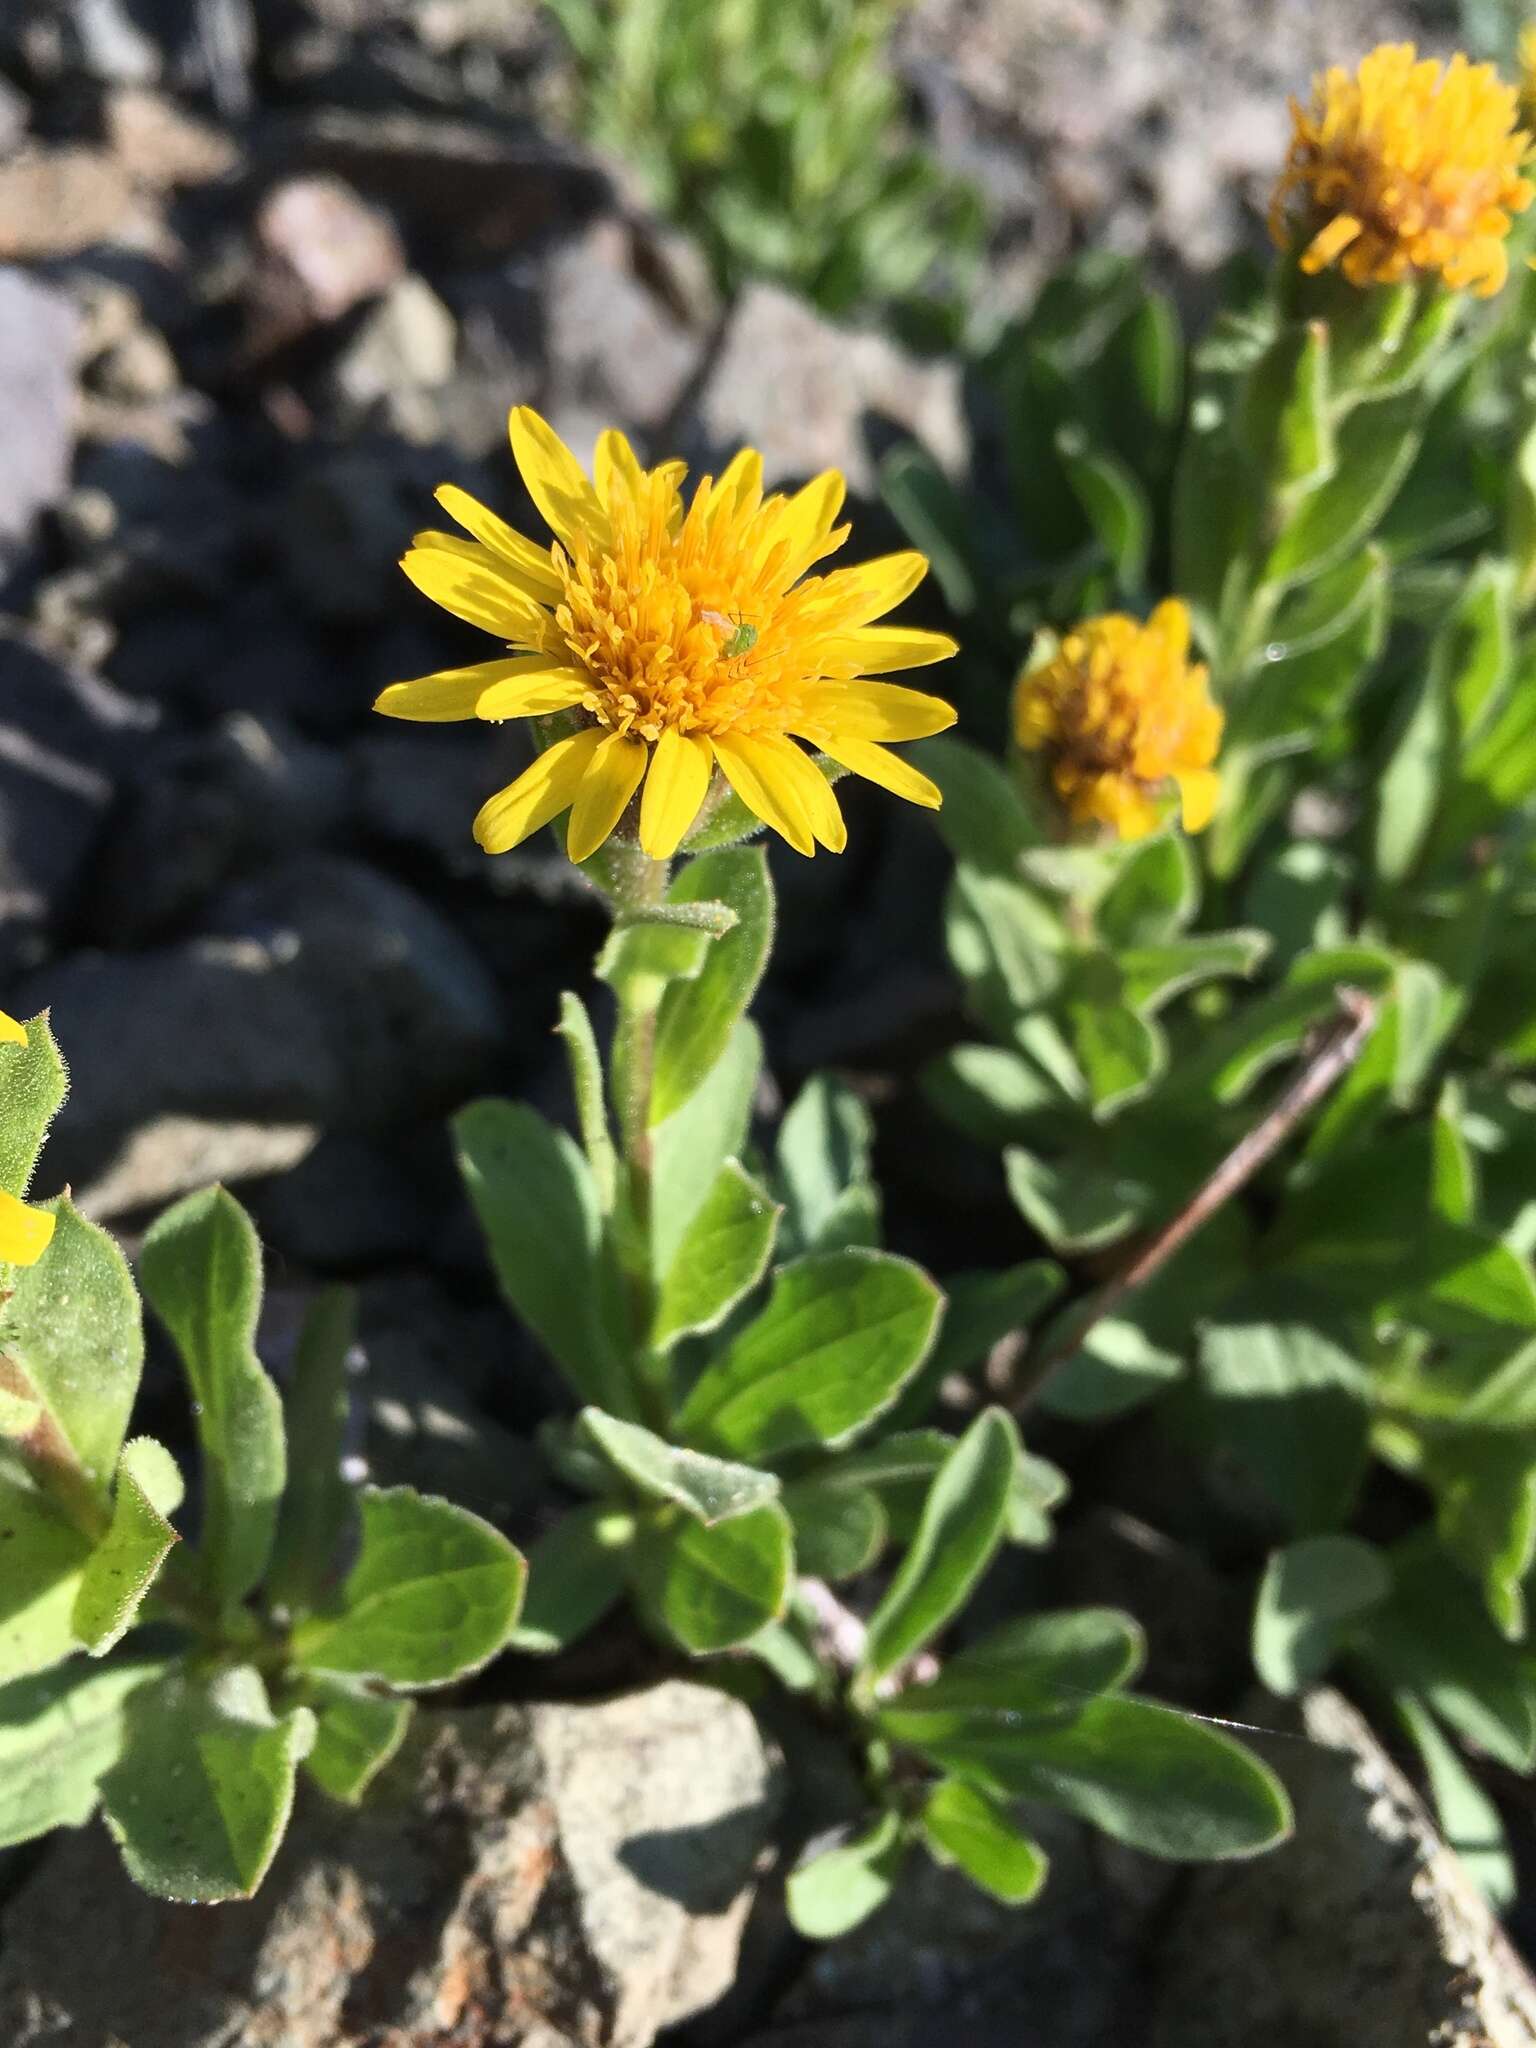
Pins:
x,y
549,1877
352,1203
345,524
403,348
203,808
816,396
1365,1931
64,737
420,790
321,995
38,333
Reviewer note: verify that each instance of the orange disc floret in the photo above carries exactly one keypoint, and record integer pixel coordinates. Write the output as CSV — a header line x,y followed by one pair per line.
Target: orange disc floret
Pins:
x,y
1120,712
684,637
1408,167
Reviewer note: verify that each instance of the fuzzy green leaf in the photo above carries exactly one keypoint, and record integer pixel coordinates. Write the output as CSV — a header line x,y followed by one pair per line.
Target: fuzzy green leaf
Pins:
x,y
697,1016
1310,1593
694,1142
711,1587
124,1565
433,1595
963,1522
840,1336
317,1505
964,1827
724,1253
831,1893
201,1271
33,1085
576,1572
710,1489
45,1555
356,1734
59,1731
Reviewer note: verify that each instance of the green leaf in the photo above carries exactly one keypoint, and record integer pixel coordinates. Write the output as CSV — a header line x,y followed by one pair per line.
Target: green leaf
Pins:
x,y
1114,502
1154,894
71,1339
587,1085
935,518
831,1893
1006,942
839,1530
1487,1519
823,1158
576,1571
984,820
534,1195
644,955
1076,1206
981,1310
124,1565
45,1555
433,1595
691,1145
317,1504
1375,446
200,1796
841,1335
59,1731
1041,1668
712,1586
1293,1404
963,1522
1310,1594
710,1489
1154,975
1469,1820
724,1253
1144,1774
697,1017
1323,642
1115,1367
33,1085
1432,1638
201,1271
964,1827
1416,774
356,1734
1122,1056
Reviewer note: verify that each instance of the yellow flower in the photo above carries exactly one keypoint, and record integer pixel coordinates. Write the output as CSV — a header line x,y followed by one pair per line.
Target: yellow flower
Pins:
x,y
1119,712
25,1232
689,638
1408,167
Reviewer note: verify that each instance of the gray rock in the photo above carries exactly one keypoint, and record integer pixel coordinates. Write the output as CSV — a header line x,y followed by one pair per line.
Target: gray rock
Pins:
x,y
38,332
320,995
816,396
610,344
343,528
551,1877
404,346
319,250
1365,1931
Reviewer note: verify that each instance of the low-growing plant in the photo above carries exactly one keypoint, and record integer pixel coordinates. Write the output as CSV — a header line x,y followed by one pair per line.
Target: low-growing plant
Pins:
x,y
1336,482
180,1686
775,131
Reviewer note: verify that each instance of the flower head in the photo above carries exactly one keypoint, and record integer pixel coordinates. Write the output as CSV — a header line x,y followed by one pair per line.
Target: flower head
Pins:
x,y
687,638
1119,712
1407,167
25,1232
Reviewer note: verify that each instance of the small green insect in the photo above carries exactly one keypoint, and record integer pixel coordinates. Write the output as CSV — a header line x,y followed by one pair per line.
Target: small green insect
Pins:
x,y
743,637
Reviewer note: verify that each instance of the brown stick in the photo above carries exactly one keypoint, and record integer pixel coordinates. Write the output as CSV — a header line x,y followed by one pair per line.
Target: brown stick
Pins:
x,y
1341,1046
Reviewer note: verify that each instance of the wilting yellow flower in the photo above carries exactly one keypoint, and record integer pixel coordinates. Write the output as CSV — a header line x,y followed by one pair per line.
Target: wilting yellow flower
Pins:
x,y
1409,166
25,1232
690,638
1120,711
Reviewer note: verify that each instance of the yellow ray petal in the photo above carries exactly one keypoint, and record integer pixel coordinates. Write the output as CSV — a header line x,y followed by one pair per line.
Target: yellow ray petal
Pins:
x,y
865,710
25,1232
535,571
675,785
612,777
532,686
757,778
1198,791
540,793
877,650
739,487
450,693
796,770
616,465
849,598
476,589
877,764
806,523
556,481
11,1033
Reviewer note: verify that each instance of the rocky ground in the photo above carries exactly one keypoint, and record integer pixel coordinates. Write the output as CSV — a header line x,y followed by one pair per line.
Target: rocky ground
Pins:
x,y
269,271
